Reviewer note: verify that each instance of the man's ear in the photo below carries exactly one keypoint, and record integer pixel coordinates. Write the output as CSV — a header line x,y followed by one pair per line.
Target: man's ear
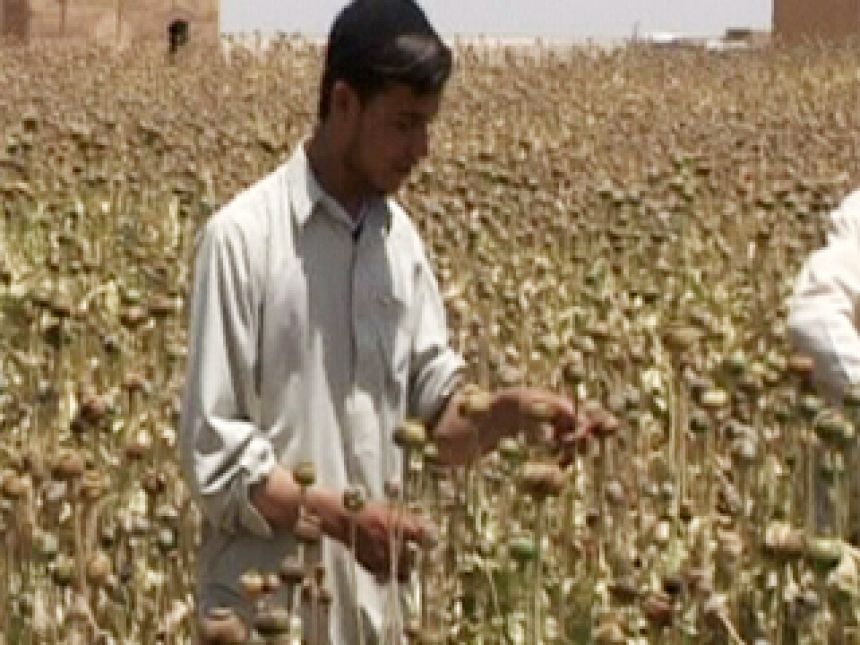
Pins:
x,y
345,102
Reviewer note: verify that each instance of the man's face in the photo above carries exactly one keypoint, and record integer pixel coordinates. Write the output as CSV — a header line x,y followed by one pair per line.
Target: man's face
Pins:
x,y
389,136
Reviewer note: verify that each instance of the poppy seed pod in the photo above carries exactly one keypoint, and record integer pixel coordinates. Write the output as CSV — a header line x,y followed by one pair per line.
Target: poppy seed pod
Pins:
x,y
354,499
252,584
542,480
271,622
522,549
291,571
222,626
305,474
410,434
69,464
823,553
801,365
713,399
474,404
658,609
783,541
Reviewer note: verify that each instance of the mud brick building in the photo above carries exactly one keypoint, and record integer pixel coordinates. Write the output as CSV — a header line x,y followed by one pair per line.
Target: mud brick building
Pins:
x,y
798,20
109,21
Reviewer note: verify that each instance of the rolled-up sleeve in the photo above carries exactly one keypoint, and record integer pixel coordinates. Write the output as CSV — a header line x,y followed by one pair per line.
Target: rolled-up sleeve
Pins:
x,y
436,369
823,314
222,451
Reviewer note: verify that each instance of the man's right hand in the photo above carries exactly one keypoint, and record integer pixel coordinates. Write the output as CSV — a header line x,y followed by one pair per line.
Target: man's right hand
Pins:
x,y
381,528
384,532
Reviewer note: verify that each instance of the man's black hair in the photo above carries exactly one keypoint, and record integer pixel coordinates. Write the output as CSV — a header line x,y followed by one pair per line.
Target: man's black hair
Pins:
x,y
374,44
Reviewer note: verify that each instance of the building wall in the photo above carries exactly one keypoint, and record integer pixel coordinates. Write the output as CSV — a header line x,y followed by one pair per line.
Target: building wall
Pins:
x,y
795,20
119,21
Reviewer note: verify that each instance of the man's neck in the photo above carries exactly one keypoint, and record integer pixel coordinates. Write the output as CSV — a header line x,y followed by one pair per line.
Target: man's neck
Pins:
x,y
333,176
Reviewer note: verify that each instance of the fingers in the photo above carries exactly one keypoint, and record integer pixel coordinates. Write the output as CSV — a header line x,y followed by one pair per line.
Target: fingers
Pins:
x,y
394,533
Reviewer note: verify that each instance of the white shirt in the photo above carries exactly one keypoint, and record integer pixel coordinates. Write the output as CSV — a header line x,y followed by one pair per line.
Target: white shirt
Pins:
x,y
306,344
824,316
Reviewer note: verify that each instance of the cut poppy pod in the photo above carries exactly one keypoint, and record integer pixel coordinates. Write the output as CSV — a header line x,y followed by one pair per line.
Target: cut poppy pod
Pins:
x,y
222,626
253,584
658,609
305,474
272,621
474,404
410,434
801,365
292,572
354,499
833,428
522,549
824,553
783,541
541,480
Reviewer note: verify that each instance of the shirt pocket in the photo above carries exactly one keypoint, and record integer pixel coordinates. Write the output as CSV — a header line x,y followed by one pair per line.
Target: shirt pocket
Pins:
x,y
393,324
287,319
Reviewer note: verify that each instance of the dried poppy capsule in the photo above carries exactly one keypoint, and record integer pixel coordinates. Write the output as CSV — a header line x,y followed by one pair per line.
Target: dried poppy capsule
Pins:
x,y
606,425
153,481
162,306
291,571
271,622
522,549
305,474
609,633
135,382
93,409
736,363
658,609
714,399
810,406
623,590
98,567
410,434
475,403
801,365
783,541
541,480
133,317
392,488
138,445
252,583
354,499
851,398
824,553
700,423
511,450
271,583
682,338
64,570
615,493
69,464
17,486
833,428
222,626
92,484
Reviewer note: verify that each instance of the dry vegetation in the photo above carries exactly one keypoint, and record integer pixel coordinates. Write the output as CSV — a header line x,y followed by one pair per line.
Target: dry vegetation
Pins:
x,y
624,226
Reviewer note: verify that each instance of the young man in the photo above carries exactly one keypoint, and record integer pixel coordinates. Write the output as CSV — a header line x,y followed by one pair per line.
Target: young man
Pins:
x,y
824,316
317,326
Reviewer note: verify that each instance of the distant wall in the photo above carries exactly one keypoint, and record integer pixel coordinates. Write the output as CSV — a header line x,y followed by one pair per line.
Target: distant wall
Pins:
x,y
120,21
796,20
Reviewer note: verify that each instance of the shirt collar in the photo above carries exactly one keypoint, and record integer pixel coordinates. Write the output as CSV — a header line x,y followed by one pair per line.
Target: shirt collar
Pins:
x,y
306,196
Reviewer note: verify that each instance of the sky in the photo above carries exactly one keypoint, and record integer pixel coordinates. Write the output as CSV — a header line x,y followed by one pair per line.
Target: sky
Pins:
x,y
552,19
